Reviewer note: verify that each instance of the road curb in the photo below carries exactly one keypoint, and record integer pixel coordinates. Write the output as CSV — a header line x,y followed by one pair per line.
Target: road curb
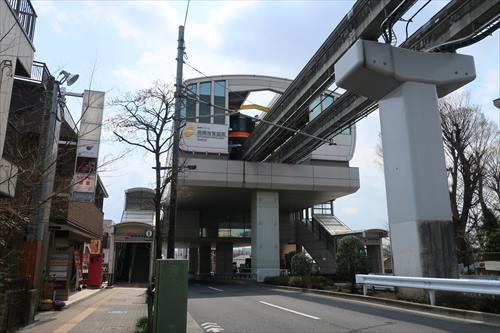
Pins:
x,y
192,325
488,318
84,298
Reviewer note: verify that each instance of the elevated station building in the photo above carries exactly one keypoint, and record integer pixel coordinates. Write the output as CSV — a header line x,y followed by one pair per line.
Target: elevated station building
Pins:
x,y
225,202
133,238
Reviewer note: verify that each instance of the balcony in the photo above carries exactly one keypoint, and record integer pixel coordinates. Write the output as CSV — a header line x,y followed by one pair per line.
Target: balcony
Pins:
x,y
83,219
25,15
87,216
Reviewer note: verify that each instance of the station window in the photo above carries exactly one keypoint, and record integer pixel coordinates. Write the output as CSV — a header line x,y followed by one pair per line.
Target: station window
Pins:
x,y
205,102
323,209
219,102
191,103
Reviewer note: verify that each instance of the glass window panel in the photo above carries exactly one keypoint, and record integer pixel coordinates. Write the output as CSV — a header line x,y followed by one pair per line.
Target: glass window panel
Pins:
x,y
220,88
224,232
327,101
220,100
314,108
237,233
191,103
205,101
139,201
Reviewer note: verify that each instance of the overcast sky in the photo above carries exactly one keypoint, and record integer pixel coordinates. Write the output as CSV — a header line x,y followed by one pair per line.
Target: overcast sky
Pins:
x,y
119,46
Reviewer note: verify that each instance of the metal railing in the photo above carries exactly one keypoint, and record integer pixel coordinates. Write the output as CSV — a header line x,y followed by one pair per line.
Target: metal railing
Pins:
x,y
318,230
491,287
26,16
39,71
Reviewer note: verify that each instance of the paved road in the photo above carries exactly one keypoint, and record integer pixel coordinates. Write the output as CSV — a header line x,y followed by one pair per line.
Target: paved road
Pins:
x,y
250,308
110,310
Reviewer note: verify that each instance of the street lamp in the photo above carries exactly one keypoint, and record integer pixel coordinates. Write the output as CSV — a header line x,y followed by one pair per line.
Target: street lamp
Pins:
x,y
496,102
68,78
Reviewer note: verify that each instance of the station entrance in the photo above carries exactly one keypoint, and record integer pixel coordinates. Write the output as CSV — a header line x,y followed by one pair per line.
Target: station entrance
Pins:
x,y
132,262
133,252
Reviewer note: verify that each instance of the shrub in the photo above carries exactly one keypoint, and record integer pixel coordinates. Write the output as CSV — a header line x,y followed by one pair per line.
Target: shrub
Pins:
x,y
301,265
288,259
484,303
351,259
142,325
319,282
297,281
277,280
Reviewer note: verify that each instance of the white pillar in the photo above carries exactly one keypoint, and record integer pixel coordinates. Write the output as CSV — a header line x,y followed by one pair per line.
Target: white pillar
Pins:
x,y
265,234
416,183
407,84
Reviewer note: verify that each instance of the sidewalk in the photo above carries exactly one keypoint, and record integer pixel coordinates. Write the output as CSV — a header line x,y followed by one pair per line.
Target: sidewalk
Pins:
x,y
110,310
81,295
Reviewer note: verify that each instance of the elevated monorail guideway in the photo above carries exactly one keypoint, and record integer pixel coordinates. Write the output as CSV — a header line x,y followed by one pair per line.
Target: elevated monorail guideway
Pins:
x,y
363,21
458,20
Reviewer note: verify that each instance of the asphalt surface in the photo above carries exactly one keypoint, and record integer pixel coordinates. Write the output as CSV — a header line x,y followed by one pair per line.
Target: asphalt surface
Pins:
x,y
228,308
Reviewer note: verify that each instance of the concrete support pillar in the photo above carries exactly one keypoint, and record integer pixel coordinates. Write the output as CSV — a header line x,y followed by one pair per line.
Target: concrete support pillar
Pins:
x,y
374,262
407,85
193,260
416,184
265,234
224,258
205,260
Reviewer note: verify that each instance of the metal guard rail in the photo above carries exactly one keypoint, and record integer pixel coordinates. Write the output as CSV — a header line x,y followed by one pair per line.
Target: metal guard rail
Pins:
x,y
491,287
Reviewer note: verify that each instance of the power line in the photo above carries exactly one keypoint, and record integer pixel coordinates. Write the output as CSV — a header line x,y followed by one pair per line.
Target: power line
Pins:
x,y
230,112
410,20
186,16
217,83
323,96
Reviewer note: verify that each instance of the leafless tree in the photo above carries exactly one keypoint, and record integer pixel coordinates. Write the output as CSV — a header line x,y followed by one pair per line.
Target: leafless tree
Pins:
x,y
473,165
144,120
468,137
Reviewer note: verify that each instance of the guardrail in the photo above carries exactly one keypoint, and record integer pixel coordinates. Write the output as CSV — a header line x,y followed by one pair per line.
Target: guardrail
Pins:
x,y
491,287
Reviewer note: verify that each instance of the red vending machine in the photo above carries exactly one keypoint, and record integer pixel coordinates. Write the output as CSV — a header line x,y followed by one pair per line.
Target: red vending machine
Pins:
x,y
95,270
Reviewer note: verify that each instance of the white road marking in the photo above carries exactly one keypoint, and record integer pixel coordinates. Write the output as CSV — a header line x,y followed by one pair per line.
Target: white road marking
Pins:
x,y
289,310
212,327
215,289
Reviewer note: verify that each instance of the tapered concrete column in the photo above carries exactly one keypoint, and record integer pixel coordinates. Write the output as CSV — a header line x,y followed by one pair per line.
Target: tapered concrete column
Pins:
x,y
407,84
205,262
193,260
265,234
416,183
224,258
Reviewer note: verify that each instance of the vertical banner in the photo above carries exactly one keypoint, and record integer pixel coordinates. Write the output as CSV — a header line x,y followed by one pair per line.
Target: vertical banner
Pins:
x,y
87,152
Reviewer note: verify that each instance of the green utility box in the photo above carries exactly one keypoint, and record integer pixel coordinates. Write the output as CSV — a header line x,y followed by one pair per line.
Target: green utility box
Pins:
x,y
170,305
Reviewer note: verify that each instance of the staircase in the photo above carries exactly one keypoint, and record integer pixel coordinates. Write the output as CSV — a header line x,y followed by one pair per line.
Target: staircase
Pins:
x,y
317,237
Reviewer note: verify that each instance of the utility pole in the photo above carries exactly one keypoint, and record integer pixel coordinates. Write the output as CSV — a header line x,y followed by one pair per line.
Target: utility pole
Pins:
x,y
172,211
48,167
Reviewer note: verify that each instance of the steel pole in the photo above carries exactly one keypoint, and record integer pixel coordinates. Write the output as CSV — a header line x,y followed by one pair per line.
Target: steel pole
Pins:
x,y
172,211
